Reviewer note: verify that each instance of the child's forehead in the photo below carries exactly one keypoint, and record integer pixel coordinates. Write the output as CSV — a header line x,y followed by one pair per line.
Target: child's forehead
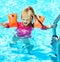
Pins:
x,y
26,16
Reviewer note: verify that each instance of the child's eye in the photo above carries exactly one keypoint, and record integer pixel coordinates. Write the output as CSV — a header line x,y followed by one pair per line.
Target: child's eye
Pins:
x,y
22,19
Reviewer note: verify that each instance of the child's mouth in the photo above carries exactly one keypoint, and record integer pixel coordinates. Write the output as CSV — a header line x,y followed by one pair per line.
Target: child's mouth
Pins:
x,y
25,24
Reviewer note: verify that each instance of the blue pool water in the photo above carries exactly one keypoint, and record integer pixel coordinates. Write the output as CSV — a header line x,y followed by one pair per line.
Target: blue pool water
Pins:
x,y
41,39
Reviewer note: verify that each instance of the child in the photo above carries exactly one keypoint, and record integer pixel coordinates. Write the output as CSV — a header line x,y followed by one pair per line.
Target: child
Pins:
x,y
25,27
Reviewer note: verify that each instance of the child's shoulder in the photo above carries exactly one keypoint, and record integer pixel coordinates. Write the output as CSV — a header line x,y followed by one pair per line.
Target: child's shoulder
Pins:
x,y
20,24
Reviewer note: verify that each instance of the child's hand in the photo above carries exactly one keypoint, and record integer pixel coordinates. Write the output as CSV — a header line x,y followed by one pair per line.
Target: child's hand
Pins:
x,y
3,24
6,25
50,26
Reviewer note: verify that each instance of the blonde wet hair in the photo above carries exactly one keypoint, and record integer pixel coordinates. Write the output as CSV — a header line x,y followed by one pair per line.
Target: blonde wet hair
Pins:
x,y
28,12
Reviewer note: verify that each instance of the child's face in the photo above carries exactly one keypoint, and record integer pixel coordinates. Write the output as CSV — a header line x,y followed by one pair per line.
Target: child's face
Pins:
x,y
26,20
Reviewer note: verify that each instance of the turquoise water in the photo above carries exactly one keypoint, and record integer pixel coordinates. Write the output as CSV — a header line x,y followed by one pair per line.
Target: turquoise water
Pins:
x,y
41,39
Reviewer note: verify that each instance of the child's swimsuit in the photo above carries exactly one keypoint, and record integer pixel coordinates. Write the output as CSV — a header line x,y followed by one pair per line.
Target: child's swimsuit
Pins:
x,y
22,31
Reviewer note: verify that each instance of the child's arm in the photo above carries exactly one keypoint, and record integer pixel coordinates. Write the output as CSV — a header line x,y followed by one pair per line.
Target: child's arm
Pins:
x,y
49,26
6,25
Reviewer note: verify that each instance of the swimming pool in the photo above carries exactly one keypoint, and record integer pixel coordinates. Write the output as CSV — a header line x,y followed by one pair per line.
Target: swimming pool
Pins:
x,y
41,39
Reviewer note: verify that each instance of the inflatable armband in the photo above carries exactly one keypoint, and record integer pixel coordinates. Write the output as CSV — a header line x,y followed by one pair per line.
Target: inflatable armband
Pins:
x,y
37,24
12,20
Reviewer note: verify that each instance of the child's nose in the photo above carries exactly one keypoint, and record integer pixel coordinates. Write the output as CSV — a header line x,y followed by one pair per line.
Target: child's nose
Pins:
x,y
25,21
